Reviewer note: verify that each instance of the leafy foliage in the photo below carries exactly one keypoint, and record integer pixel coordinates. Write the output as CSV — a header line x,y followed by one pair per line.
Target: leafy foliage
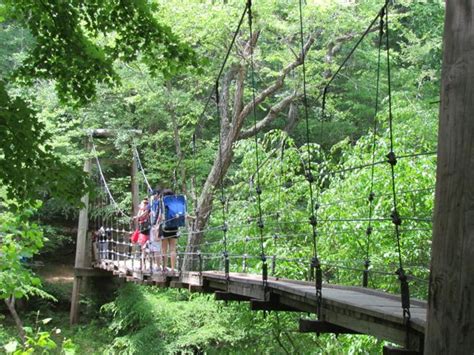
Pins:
x,y
26,161
19,241
77,42
114,45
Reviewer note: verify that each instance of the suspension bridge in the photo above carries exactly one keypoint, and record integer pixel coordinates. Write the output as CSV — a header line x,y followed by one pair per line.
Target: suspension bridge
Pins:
x,y
212,267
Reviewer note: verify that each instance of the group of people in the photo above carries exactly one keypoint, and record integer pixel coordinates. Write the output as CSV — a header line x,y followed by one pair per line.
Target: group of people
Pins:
x,y
156,241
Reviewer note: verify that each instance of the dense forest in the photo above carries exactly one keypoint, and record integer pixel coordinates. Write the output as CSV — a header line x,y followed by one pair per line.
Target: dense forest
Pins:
x,y
70,67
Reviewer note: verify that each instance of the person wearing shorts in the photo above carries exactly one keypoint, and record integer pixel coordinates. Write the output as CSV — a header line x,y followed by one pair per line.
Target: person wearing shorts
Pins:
x,y
154,246
169,240
143,218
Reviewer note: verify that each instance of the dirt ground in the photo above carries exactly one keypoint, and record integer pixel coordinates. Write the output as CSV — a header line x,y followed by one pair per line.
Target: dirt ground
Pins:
x,y
56,273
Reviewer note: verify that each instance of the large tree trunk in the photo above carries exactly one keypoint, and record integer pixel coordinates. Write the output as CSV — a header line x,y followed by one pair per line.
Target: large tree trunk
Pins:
x,y
180,168
450,328
232,122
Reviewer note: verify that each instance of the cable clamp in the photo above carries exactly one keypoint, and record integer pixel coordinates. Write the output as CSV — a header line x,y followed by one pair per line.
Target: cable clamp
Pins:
x,y
371,196
396,219
392,158
319,278
258,190
222,200
260,223
263,258
225,228
405,292
247,239
313,221
310,177
369,231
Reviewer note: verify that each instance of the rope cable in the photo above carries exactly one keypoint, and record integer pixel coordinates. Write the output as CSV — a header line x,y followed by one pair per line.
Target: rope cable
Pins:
x,y
106,186
374,144
221,177
313,219
140,166
258,189
392,160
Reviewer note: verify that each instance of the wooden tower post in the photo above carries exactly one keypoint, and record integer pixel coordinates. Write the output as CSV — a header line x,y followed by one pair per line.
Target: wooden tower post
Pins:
x,y
82,265
81,245
450,328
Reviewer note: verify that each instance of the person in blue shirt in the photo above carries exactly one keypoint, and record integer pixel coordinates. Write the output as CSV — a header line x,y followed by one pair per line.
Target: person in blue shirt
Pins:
x,y
169,238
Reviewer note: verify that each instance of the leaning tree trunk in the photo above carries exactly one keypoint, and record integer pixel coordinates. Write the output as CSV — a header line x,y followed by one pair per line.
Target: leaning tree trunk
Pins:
x,y
10,302
180,168
231,123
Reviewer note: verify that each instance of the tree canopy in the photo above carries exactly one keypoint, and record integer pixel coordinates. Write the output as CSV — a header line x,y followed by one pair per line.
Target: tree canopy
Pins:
x,y
70,66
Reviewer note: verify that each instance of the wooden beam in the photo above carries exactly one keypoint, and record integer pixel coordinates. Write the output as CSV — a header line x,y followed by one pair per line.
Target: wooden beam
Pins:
x,y
227,296
450,328
392,350
81,244
90,272
177,284
109,133
257,305
322,327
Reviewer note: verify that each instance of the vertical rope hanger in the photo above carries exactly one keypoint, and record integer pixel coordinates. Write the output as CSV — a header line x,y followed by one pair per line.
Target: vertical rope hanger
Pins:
x,y
222,199
258,189
225,253
315,263
278,214
395,216
369,230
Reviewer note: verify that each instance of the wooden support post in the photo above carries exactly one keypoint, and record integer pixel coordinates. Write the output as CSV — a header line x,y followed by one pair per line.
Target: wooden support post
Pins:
x,y
226,296
76,289
317,326
81,245
450,328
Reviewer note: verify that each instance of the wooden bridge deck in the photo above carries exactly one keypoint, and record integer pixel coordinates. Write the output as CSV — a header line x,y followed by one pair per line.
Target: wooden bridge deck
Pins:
x,y
344,309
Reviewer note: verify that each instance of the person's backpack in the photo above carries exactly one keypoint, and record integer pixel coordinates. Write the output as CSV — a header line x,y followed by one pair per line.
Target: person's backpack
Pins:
x,y
174,211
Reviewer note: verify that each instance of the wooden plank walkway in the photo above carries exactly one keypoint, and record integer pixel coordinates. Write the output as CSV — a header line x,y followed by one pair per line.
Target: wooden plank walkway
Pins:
x,y
356,309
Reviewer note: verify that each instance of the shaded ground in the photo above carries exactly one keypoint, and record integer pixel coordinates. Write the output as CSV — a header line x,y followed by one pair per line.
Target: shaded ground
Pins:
x,y
56,273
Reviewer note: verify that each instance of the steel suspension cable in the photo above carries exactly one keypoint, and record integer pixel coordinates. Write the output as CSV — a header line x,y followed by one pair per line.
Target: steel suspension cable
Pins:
x,y
106,186
221,177
258,189
392,160
374,144
140,166
315,263
225,253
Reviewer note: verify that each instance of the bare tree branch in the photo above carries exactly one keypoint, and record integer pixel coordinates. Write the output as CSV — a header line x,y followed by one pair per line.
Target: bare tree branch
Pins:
x,y
224,94
278,84
270,117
